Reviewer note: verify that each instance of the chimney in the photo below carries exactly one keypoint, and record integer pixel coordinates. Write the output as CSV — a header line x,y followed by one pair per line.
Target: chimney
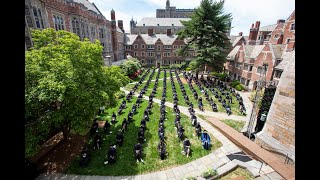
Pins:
x,y
113,15
120,25
168,32
253,33
257,24
150,32
240,33
280,21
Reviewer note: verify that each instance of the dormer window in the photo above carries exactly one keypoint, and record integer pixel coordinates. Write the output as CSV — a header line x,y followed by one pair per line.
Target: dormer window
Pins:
x,y
172,24
144,24
158,24
276,36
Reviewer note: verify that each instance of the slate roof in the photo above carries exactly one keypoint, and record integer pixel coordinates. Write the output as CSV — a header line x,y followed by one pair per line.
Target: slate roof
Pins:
x,y
166,40
278,49
152,21
287,57
89,5
252,51
268,28
234,51
129,38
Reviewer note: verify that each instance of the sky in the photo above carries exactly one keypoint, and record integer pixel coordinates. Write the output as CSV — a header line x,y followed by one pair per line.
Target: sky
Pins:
x,y
244,12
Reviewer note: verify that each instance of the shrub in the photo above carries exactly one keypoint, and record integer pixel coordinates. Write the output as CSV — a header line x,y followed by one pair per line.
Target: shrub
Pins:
x,y
120,94
188,69
190,178
234,84
209,173
223,76
215,74
239,87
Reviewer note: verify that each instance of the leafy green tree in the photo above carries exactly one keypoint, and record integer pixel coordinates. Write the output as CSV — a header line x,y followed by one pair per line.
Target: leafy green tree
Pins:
x,y
65,84
130,66
206,31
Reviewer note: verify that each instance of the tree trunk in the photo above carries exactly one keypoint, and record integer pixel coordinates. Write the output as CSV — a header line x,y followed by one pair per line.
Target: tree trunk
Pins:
x,y
66,131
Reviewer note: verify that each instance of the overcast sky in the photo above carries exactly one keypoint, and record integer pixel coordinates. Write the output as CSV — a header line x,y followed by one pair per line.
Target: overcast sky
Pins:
x,y
244,12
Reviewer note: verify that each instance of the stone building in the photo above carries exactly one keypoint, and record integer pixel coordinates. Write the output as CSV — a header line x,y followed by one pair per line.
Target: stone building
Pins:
x,y
155,49
118,34
278,133
244,62
159,25
173,12
78,16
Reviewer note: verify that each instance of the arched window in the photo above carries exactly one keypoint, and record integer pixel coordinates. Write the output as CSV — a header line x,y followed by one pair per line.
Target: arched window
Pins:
x,y
27,15
38,17
58,22
75,26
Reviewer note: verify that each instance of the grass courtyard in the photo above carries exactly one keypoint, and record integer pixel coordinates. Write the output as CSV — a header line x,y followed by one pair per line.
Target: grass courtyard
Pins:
x,y
234,106
126,163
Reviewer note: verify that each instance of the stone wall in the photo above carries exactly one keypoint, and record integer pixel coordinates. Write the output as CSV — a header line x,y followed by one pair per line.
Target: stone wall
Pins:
x,y
279,129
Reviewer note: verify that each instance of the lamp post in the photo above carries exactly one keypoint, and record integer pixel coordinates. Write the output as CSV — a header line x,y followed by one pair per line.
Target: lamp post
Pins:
x,y
260,85
108,60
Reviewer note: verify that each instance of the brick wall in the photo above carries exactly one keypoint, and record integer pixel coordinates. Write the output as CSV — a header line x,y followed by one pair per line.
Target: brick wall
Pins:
x,y
279,129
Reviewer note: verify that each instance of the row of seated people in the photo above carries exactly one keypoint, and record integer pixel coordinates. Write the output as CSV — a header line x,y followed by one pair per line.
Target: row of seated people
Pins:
x,y
189,81
161,145
141,133
223,88
84,158
185,96
180,130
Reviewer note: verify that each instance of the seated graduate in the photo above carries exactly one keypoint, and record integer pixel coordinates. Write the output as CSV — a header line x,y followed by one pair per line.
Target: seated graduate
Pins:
x,y
94,127
111,158
106,127
141,135
97,141
113,119
119,138
84,157
130,116
138,152
186,147
198,130
124,124
162,149
143,124
228,109
180,131
205,139
161,132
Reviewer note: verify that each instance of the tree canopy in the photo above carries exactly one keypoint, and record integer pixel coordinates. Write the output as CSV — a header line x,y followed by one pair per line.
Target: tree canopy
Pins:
x,y
207,32
65,84
130,66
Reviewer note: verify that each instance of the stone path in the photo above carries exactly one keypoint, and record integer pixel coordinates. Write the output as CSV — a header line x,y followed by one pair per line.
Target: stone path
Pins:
x,y
254,149
214,160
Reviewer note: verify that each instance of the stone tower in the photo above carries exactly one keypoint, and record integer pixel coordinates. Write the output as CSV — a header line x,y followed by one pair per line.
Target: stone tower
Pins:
x,y
168,4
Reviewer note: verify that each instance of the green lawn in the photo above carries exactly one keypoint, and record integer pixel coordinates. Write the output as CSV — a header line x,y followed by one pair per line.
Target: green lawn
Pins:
x,y
238,173
237,125
126,163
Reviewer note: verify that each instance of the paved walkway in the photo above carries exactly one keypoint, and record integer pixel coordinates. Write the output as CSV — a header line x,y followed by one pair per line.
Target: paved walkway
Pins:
x,y
214,160
254,149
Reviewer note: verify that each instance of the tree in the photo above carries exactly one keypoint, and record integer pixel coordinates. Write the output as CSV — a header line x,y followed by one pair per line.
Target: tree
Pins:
x,y
65,84
130,66
206,30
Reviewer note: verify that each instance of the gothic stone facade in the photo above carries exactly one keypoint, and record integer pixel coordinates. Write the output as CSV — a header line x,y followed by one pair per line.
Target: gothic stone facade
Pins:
x,y
78,16
172,12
